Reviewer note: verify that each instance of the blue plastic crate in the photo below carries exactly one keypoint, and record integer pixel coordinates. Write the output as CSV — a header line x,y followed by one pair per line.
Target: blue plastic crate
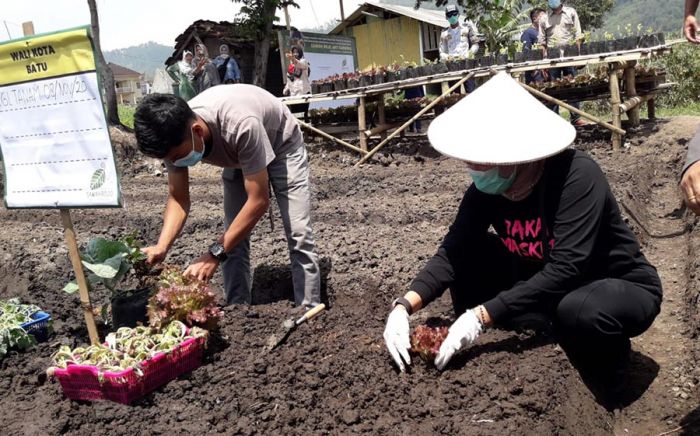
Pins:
x,y
39,327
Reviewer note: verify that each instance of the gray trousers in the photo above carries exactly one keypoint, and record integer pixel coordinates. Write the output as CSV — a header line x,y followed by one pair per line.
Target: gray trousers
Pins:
x,y
289,176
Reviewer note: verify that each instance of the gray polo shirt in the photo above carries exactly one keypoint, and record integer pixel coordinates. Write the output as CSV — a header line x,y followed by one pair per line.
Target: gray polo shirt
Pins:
x,y
249,126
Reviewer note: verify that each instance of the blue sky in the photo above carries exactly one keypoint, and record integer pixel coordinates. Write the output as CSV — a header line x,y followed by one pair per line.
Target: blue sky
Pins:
x,y
125,23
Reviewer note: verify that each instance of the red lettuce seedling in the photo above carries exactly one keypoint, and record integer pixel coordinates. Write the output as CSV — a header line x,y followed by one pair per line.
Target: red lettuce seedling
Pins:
x,y
426,341
183,299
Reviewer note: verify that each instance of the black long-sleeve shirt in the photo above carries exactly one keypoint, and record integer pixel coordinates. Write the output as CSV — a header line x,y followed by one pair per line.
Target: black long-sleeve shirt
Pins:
x,y
585,234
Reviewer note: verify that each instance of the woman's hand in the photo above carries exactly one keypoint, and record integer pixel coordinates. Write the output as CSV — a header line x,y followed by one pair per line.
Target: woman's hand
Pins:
x,y
463,332
396,336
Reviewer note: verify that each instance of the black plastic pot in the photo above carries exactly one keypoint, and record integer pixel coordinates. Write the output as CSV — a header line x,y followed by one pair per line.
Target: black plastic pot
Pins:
x,y
660,38
365,81
440,68
461,64
501,59
553,53
327,87
519,57
379,77
315,88
411,73
630,42
339,85
129,308
353,83
571,51
584,50
470,64
389,76
610,46
452,66
533,55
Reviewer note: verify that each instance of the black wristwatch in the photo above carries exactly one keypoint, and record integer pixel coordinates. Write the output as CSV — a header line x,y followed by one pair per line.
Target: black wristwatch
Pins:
x,y
217,250
404,302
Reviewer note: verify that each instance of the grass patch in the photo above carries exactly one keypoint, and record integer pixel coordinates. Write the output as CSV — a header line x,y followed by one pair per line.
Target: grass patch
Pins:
x,y
126,115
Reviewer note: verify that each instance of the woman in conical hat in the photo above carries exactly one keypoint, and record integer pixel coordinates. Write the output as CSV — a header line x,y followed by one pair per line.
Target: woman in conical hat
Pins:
x,y
561,255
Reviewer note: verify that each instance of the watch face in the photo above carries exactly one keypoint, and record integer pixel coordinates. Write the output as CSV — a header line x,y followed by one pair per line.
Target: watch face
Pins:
x,y
216,249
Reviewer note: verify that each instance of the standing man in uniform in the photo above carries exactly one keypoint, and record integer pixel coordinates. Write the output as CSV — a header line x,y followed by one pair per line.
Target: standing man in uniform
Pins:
x,y
256,140
559,28
460,39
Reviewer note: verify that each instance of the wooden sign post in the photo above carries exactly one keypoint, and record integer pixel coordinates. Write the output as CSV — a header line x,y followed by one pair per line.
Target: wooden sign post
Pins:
x,y
53,134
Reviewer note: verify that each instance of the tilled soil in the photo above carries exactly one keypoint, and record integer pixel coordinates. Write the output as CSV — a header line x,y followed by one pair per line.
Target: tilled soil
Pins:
x,y
375,227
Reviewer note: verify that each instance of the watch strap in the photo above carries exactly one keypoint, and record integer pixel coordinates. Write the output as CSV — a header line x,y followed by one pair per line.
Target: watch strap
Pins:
x,y
405,303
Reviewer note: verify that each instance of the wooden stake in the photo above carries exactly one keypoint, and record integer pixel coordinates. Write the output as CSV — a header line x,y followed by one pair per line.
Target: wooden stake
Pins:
x,y
80,276
381,114
615,104
551,99
362,123
327,136
415,117
286,18
28,28
651,109
631,92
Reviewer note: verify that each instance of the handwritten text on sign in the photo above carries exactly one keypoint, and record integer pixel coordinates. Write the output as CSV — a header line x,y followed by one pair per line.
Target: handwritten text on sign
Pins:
x,y
54,138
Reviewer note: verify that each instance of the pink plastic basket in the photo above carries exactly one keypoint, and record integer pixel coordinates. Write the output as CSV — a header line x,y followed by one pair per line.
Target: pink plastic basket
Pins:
x,y
86,382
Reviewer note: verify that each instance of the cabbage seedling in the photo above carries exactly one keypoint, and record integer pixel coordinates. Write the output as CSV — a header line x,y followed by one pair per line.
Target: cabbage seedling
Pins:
x,y
426,341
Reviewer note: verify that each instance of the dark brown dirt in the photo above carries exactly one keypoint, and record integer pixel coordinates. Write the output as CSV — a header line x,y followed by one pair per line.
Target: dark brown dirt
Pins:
x,y
375,227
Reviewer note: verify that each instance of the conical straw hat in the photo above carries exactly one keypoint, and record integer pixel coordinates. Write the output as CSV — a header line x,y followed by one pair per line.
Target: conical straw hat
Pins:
x,y
500,123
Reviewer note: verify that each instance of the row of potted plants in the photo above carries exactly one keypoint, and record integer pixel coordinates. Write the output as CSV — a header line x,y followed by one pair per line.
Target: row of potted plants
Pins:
x,y
409,70
397,109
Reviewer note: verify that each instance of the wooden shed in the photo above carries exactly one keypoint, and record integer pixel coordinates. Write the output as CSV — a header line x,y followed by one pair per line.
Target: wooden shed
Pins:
x,y
385,32
212,34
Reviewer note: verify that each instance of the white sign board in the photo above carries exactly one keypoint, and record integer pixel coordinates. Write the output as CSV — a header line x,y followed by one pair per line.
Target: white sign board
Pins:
x,y
55,144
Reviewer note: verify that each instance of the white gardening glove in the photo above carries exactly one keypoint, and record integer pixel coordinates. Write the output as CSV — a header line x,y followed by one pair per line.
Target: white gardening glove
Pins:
x,y
396,336
463,332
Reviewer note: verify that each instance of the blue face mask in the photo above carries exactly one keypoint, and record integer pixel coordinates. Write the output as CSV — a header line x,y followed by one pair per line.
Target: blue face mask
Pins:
x,y
554,3
192,159
453,20
491,182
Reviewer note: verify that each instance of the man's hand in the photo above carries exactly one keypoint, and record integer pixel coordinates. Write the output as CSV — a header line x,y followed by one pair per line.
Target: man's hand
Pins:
x,y
154,254
397,338
203,268
690,30
463,332
690,187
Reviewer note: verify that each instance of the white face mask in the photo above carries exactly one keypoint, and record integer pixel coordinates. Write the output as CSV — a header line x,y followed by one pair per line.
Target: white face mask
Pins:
x,y
194,156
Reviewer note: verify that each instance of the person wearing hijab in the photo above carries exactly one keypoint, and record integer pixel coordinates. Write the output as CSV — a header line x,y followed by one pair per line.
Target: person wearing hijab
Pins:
x,y
205,72
226,66
298,79
538,239
182,73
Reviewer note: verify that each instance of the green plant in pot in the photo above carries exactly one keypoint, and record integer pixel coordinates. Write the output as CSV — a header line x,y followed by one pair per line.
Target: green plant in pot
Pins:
x,y
111,262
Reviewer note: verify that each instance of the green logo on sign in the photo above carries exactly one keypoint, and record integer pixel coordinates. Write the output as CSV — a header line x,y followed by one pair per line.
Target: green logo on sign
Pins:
x,y
98,179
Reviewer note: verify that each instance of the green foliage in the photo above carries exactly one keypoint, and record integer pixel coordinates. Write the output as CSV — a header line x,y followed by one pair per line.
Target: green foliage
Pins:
x,y
108,262
12,315
257,16
682,66
661,15
591,12
144,58
501,28
126,115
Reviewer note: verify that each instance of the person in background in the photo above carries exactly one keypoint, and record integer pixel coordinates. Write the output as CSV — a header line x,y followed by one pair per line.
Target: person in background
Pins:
x,y
182,73
538,235
529,38
411,93
459,40
690,180
205,72
298,80
690,25
226,66
255,139
557,29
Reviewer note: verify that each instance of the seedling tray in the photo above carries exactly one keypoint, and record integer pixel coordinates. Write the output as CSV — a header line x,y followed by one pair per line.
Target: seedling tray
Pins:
x,y
39,326
87,383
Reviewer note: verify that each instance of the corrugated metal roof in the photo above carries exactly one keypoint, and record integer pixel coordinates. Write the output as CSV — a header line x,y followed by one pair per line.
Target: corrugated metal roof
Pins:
x,y
430,16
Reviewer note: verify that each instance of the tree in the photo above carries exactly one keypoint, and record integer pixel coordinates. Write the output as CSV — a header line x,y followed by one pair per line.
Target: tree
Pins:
x,y
591,12
107,76
256,19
